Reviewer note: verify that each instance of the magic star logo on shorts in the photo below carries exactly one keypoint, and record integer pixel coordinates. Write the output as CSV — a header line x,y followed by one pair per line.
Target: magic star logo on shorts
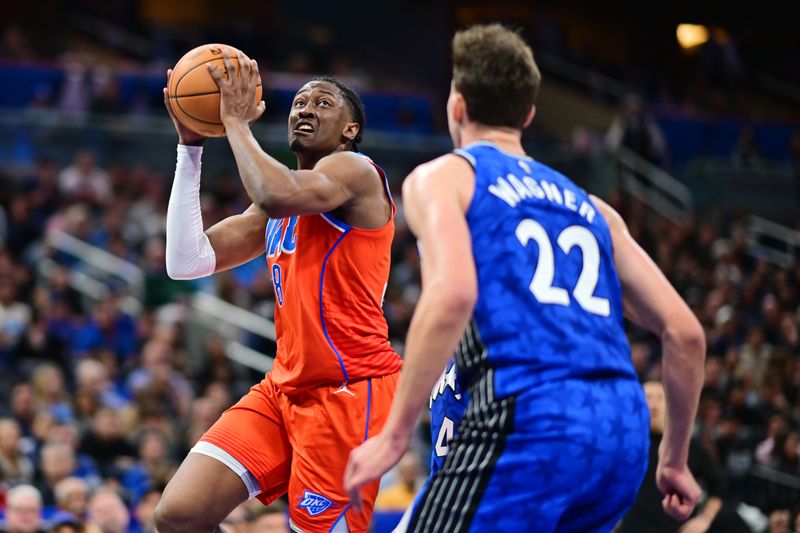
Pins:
x,y
314,503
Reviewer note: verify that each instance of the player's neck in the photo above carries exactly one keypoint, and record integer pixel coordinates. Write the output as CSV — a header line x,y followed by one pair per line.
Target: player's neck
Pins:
x,y
507,139
307,160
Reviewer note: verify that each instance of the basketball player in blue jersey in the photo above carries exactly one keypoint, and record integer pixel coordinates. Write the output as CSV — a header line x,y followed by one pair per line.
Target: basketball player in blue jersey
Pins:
x,y
535,277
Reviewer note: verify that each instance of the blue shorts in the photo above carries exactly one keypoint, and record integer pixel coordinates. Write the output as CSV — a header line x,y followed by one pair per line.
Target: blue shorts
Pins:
x,y
565,456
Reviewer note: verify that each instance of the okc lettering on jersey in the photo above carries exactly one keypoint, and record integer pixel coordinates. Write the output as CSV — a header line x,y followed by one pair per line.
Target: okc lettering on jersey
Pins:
x,y
512,190
314,503
277,240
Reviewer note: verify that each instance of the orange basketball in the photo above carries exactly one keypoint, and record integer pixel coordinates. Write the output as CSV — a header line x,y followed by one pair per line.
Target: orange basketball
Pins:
x,y
193,93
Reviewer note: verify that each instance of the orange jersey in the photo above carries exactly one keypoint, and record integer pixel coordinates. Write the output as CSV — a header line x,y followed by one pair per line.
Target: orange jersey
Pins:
x,y
329,280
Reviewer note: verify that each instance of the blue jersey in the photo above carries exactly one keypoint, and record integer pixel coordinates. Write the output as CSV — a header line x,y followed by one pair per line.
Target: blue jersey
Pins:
x,y
555,435
447,405
549,306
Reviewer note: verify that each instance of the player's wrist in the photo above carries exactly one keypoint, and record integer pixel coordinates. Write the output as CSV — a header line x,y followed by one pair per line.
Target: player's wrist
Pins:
x,y
197,142
673,452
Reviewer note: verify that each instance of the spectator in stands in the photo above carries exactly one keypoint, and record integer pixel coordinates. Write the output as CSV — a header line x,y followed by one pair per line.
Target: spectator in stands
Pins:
x,y
204,413
48,385
15,45
779,521
746,153
23,510
144,511
647,514
633,129
86,468
63,522
57,463
271,519
786,452
72,496
23,228
778,425
105,442
108,329
400,495
23,406
154,468
157,378
105,93
108,513
84,181
238,521
92,379
15,467
15,316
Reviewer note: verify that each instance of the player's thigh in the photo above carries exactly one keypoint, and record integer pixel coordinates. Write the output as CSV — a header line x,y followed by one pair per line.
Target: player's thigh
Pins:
x,y
251,439
325,427
202,489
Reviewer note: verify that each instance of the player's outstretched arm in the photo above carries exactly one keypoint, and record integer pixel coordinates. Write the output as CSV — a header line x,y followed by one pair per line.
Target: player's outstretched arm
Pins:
x,y
191,253
435,196
279,191
651,302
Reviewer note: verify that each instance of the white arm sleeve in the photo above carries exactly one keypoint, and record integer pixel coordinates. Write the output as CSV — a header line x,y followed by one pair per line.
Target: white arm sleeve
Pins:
x,y
189,252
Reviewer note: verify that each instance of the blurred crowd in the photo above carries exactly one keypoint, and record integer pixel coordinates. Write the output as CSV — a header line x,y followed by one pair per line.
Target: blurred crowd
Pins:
x,y
99,406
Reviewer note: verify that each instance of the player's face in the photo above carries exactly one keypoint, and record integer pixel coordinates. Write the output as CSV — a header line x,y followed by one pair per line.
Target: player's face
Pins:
x,y
654,395
319,118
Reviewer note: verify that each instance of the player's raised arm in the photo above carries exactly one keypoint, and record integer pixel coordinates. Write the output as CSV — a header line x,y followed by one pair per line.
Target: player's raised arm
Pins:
x,y
192,253
651,302
324,182
435,199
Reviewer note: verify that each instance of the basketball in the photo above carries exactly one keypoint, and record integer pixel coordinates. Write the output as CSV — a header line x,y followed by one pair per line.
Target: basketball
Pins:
x,y
193,93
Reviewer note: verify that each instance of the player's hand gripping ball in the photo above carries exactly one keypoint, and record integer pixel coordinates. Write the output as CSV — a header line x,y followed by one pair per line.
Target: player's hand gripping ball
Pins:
x,y
194,95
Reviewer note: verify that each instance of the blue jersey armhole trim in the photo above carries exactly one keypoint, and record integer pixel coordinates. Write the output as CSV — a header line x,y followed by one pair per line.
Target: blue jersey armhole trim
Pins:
x,y
321,308
467,156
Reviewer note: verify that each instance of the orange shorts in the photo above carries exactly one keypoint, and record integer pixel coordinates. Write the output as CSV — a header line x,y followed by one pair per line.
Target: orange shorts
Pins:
x,y
300,444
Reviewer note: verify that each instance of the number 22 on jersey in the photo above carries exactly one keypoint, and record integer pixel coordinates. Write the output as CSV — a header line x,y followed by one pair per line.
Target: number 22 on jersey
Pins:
x,y
541,285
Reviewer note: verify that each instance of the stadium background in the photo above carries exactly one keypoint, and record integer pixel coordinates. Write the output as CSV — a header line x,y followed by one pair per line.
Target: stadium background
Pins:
x,y
109,370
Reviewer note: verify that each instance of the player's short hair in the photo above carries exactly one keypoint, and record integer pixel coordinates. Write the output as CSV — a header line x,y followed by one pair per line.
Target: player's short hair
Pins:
x,y
493,68
354,104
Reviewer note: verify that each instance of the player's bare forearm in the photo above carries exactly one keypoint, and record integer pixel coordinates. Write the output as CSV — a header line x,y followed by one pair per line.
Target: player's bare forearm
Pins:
x,y
683,345
282,192
435,214
442,314
268,182
651,302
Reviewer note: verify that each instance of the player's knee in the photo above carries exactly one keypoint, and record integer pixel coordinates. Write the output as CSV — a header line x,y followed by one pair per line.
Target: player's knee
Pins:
x,y
174,516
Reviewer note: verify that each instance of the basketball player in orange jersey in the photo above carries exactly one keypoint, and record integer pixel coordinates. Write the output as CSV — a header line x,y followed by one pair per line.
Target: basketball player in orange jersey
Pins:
x,y
327,229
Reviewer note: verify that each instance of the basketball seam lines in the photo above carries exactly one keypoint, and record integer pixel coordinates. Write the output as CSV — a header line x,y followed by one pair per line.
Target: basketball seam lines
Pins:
x,y
178,96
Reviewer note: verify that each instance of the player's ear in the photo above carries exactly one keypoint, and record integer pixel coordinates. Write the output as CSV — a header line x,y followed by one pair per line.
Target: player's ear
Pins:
x,y
459,107
529,118
350,131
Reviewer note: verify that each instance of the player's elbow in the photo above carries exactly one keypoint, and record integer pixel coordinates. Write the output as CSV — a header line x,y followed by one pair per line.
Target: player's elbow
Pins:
x,y
456,298
182,268
278,202
688,337
179,272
